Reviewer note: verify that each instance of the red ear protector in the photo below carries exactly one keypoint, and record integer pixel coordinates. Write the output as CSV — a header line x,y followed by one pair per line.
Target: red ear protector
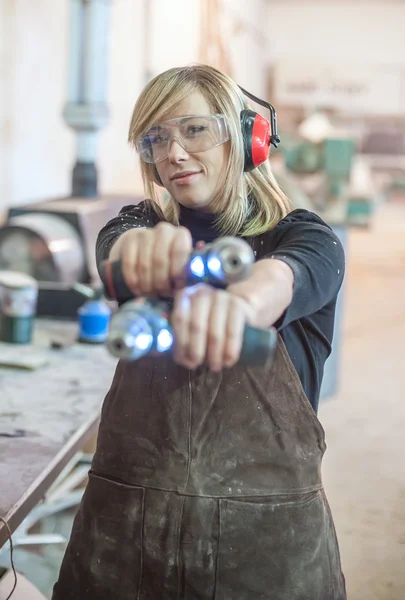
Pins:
x,y
257,132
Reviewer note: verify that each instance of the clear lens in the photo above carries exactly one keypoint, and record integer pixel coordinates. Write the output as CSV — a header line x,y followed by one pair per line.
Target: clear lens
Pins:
x,y
193,133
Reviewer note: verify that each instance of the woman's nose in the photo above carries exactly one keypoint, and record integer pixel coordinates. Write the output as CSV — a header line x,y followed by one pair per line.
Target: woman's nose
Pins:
x,y
176,151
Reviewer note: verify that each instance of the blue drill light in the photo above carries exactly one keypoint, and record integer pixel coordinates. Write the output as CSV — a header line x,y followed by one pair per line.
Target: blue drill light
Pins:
x,y
144,341
164,340
214,266
197,267
203,269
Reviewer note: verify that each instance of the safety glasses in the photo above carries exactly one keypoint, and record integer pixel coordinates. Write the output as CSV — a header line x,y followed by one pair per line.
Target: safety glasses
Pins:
x,y
195,133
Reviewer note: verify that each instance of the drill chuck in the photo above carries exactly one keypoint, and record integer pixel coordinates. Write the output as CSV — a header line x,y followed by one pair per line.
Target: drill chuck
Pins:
x,y
225,261
139,328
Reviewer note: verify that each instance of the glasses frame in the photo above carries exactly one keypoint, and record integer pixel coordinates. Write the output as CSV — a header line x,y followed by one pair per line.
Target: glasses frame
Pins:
x,y
216,116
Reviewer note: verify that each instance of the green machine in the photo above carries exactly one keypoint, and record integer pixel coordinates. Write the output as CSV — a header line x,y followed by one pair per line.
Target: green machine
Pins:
x,y
323,171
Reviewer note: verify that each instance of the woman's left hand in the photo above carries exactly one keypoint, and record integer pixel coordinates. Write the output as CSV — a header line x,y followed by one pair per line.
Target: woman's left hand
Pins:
x,y
208,326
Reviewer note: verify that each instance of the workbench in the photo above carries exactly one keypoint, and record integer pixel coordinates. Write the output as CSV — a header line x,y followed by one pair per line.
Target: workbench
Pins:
x,y
47,414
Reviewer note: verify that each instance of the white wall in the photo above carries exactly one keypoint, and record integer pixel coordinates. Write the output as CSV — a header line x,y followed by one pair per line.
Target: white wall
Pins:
x,y
246,29
34,141
372,30
37,149
6,95
175,38
364,36
117,162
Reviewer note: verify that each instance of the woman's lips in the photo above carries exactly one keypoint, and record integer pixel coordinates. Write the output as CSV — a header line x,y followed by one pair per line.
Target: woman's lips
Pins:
x,y
181,179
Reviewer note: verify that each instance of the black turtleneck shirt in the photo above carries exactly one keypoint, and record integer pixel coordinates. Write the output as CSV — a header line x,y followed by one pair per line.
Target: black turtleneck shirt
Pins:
x,y
306,244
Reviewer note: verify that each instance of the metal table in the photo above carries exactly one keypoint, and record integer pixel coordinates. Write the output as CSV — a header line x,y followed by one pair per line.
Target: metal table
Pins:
x,y
47,415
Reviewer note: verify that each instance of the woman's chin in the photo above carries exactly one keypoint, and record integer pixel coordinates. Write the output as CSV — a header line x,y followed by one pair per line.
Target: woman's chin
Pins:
x,y
195,203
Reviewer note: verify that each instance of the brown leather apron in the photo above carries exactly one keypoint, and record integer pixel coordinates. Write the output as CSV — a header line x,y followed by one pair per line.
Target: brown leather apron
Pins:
x,y
205,486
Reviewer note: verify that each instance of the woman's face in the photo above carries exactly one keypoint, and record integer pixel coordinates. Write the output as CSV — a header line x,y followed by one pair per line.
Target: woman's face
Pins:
x,y
203,171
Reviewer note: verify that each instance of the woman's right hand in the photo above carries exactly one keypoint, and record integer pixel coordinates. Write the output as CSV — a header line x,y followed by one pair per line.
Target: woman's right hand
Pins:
x,y
154,259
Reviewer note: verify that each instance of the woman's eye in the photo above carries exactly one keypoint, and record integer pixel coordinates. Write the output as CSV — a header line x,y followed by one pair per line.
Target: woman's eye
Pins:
x,y
158,139
196,129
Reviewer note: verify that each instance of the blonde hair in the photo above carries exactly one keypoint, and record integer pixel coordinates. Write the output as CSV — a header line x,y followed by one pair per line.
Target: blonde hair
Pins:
x,y
247,203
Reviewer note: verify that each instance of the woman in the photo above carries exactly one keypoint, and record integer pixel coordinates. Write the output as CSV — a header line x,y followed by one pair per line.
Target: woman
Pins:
x,y
206,482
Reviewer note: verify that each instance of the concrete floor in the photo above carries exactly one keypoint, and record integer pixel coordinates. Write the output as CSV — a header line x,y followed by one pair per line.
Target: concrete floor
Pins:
x,y
364,468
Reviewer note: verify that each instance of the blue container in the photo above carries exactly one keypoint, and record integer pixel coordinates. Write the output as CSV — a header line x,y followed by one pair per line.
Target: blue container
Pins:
x,y
94,319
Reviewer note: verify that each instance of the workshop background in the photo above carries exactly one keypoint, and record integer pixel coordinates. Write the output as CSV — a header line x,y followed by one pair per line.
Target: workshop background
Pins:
x,y
70,72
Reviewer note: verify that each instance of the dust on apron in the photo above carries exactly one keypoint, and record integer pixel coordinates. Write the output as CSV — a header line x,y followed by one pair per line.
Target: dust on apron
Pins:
x,y
205,486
